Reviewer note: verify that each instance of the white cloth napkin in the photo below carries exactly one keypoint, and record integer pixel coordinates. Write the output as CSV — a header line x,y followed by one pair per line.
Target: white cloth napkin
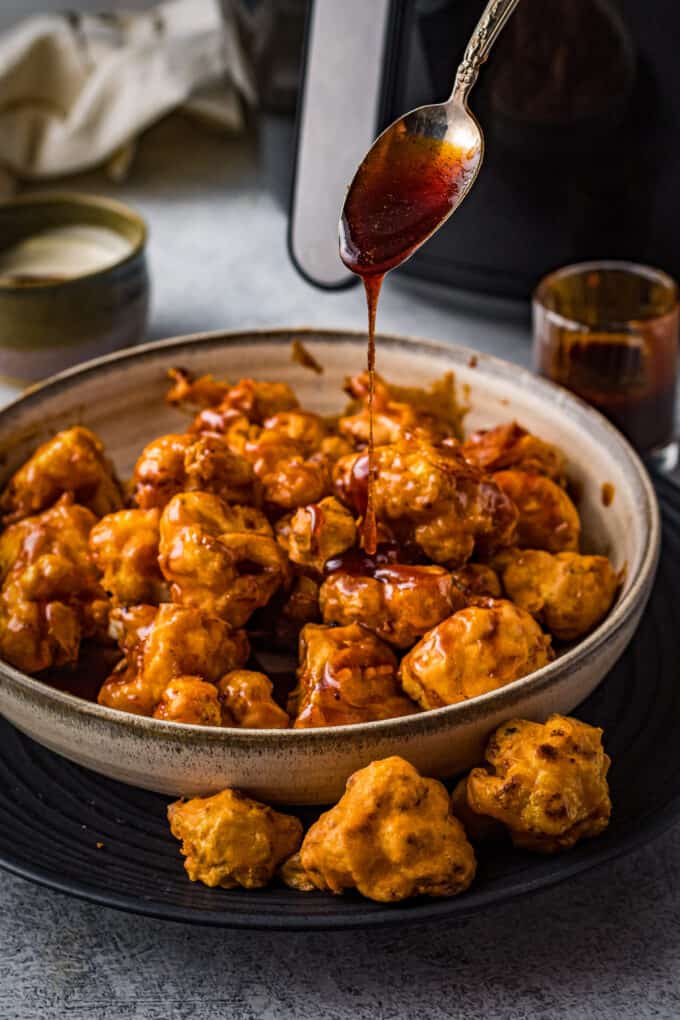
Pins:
x,y
76,90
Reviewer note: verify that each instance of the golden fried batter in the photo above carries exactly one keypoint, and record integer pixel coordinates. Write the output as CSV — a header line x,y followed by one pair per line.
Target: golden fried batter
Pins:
x,y
73,462
288,476
478,828
50,597
229,840
160,647
402,412
399,603
391,836
250,397
304,428
188,463
346,675
124,546
547,517
315,534
511,446
568,593
223,560
546,781
431,496
477,579
476,650
247,701
294,875
188,699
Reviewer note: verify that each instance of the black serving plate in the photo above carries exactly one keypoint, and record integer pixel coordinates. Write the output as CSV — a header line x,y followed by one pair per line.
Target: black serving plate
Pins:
x,y
75,831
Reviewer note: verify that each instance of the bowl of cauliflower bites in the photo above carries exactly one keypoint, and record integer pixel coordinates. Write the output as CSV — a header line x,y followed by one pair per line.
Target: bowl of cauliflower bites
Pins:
x,y
186,606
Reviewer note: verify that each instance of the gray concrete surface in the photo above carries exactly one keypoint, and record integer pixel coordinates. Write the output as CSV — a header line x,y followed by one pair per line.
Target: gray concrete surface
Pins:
x,y
606,945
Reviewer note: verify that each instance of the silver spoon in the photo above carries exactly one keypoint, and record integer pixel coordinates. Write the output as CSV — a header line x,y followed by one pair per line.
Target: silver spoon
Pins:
x,y
420,168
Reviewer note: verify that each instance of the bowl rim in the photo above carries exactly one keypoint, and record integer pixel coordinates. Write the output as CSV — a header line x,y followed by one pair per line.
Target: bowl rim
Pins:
x,y
463,712
80,200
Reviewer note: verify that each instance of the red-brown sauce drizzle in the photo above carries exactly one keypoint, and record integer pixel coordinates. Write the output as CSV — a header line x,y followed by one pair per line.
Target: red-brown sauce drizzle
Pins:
x,y
405,187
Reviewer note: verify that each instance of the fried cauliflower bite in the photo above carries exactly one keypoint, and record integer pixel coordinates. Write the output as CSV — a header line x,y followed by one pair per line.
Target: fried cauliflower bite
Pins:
x,y
315,534
547,782
194,392
229,840
187,463
391,836
568,593
124,547
477,650
477,579
478,828
161,646
547,517
346,675
50,597
511,446
220,559
250,397
246,698
71,463
433,497
289,478
188,699
399,603
401,412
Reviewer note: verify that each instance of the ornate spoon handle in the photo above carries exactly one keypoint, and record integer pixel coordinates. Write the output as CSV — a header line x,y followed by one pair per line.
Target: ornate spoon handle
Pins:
x,y
489,26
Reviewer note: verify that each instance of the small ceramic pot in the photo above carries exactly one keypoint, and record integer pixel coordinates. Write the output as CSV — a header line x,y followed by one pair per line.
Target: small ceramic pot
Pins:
x,y
53,320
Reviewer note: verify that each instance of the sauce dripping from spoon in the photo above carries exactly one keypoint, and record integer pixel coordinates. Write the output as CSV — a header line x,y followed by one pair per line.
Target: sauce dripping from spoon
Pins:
x,y
405,187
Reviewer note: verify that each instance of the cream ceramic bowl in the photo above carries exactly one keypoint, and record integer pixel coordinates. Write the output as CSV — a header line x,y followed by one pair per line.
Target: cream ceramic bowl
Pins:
x,y
121,398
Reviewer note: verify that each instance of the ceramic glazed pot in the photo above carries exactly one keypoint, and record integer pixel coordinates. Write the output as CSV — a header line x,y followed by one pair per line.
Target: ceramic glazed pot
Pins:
x,y
121,397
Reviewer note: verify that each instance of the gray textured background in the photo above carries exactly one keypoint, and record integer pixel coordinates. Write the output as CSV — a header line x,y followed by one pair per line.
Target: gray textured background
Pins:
x,y
605,945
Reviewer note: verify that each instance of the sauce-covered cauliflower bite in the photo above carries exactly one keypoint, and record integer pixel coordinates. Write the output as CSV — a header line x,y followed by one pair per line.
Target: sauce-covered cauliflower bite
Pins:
x,y
399,603
476,650
246,698
50,597
124,546
568,593
315,534
391,836
220,559
401,412
547,782
188,699
547,517
430,495
229,840
511,446
163,644
346,675
187,463
477,579
72,463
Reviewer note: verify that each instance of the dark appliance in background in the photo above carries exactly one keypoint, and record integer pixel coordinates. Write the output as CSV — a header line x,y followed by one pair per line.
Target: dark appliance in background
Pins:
x,y
580,106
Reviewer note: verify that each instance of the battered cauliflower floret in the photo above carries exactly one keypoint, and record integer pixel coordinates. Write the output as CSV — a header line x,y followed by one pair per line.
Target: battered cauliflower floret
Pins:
x,y
546,781
476,650
300,607
430,495
165,644
304,428
547,517
399,603
188,699
511,446
188,463
50,597
194,392
391,836
478,828
229,840
124,546
220,559
477,579
401,412
315,534
247,701
288,476
568,593
346,675
72,463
